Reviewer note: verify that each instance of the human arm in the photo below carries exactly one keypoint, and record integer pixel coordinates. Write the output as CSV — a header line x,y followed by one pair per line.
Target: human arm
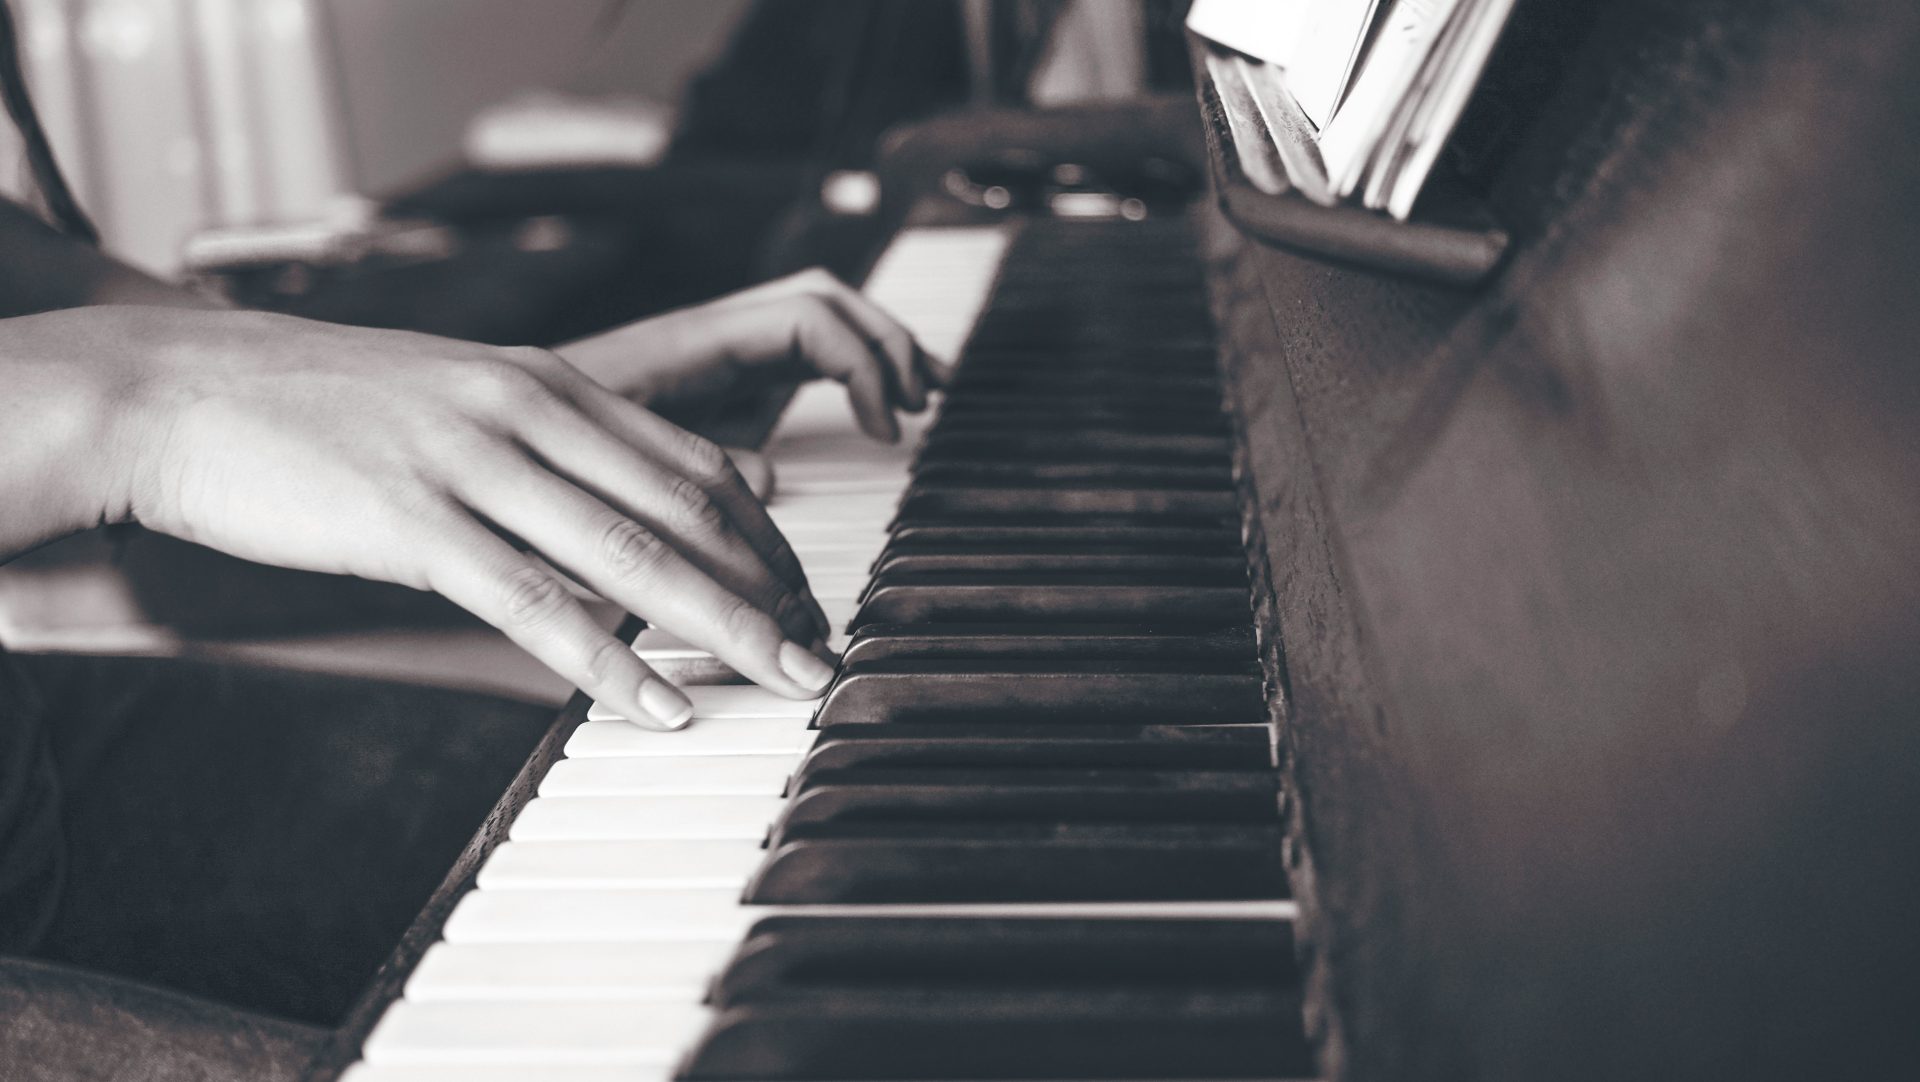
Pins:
x,y
410,459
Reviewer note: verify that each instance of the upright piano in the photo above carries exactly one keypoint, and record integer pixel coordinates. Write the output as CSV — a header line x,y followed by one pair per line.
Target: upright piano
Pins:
x,y
1276,662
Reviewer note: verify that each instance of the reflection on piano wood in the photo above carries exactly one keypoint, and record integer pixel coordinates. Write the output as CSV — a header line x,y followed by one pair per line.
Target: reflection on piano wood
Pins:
x,y
1032,831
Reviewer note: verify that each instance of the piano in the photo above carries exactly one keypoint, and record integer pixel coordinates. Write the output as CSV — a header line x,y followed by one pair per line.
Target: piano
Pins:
x,y
1267,665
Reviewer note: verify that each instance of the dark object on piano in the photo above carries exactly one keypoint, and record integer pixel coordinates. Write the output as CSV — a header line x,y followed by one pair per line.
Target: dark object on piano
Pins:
x,y
1598,590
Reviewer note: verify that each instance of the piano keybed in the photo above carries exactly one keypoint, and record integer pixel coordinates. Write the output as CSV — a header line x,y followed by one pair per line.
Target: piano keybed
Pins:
x,y
1032,830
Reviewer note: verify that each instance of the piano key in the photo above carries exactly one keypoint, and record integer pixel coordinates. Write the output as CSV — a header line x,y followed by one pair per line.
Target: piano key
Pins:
x,y
666,971
644,916
1078,1034
1118,442
1027,794
658,864
783,956
1083,499
549,1072
1191,595
737,736
532,1032
999,743
721,775
642,818
1031,641
1096,691
940,862
728,703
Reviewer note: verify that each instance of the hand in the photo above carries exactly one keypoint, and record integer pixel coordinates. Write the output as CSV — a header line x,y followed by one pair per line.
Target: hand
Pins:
x,y
745,352
413,459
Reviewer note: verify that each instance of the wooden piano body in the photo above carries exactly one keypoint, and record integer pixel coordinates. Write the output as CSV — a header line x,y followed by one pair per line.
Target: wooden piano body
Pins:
x,y
1594,589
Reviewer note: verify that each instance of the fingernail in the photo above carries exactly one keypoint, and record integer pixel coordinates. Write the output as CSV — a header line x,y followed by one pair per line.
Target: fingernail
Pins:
x,y
803,668
665,704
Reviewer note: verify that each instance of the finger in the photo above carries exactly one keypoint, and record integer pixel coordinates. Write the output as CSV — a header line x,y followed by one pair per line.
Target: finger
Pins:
x,y
479,572
895,343
825,341
884,334
671,505
707,466
631,565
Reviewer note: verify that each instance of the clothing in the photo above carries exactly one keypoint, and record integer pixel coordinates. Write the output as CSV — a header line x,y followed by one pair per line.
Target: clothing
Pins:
x,y
252,841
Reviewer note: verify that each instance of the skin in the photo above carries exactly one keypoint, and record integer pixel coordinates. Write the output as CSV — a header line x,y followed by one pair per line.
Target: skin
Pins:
x,y
438,464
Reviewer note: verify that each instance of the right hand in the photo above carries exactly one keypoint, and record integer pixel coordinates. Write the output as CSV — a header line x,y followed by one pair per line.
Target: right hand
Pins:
x,y
413,459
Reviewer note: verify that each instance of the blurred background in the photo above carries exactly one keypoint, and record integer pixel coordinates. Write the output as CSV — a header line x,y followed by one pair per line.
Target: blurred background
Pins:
x,y
498,170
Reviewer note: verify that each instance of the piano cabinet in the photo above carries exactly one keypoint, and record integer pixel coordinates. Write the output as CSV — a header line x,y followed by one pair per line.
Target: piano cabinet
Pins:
x,y
1593,592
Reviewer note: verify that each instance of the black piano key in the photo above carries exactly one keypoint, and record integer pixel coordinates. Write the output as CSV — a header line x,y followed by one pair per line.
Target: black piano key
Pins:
x,y
1085,691
1113,1035
1141,474
974,743
1081,499
1184,397
1191,426
1208,596
1029,641
1115,442
1094,559
1025,794
788,956
1174,385
942,863
932,531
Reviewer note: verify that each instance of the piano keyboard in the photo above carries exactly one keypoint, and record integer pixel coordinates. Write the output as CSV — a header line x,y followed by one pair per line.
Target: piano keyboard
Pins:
x,y
1032,831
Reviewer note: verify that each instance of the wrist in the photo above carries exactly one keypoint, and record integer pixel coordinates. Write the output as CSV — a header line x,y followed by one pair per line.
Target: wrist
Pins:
x,y
58,436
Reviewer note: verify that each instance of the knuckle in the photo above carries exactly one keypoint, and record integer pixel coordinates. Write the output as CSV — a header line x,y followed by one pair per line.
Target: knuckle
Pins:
x,y
629,551
498,385
693,510
604,659
787,611
534,359
705,463
532,597
740,622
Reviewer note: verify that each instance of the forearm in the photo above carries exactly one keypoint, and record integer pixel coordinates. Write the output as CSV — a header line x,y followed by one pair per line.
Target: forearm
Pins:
x,y
42,269
56,443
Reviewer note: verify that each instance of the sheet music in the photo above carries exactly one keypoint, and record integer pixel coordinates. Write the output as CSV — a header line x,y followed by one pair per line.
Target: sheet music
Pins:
x,y
1324,58
1265,29
1461,61
1407,39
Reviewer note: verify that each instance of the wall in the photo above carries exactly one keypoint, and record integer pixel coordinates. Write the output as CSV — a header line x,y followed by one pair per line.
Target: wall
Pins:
x,y
413,71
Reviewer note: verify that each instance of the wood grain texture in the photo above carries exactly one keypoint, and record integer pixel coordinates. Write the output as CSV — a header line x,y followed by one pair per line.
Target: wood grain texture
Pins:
x,y
1596,588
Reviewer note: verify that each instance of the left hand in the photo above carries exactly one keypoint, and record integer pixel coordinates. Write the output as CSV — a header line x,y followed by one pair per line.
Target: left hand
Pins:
x,y
727,367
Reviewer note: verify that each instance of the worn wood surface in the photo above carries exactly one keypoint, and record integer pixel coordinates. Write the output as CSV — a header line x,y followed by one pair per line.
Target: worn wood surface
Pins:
x,y
1597,588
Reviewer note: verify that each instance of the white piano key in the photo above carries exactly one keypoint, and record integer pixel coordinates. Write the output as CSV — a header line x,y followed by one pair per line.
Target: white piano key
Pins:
x,y
640,818
848,581
658,864
660,971
598,916
628,916
548,1072
739,736
746,701
719,775
730,702
534,1033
